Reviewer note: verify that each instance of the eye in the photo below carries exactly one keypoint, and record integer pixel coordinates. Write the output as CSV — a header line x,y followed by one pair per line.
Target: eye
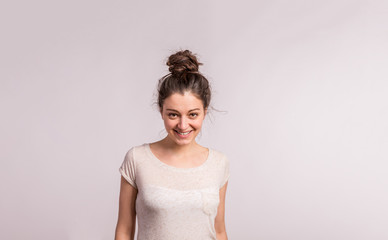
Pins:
x,y
193,115
172,115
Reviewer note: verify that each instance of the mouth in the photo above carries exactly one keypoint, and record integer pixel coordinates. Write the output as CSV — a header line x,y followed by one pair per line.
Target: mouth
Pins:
x,y
183,134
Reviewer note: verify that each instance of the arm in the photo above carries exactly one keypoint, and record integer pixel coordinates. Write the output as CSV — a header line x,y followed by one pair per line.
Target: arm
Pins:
x,y
125,229
220,218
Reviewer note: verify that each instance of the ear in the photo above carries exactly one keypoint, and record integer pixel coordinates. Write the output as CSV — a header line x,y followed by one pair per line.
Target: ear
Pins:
x,y
205,112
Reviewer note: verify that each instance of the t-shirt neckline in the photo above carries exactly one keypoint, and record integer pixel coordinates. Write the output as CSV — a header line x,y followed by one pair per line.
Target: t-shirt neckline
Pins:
x,y
159,162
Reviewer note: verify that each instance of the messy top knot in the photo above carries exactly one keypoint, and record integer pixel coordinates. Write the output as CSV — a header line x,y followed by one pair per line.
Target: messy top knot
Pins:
x,y
183,62
184,76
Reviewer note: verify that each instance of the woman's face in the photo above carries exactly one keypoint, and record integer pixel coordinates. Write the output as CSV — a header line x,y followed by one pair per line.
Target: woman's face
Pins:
x,y
183,116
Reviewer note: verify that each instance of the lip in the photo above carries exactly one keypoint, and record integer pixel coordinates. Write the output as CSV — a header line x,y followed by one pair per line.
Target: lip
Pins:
x,y
182,136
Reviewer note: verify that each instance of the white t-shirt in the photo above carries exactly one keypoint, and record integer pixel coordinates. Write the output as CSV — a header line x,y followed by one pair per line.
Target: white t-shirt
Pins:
x,y
175,203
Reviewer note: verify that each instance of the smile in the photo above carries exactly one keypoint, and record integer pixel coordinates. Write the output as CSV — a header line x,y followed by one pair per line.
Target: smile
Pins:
x,y
183,133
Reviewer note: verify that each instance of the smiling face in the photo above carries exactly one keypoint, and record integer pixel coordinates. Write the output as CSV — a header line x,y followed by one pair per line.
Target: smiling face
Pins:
x,y
183,116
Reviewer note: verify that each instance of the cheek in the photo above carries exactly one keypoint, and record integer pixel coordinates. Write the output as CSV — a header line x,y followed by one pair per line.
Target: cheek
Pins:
x,y
197,123
168,123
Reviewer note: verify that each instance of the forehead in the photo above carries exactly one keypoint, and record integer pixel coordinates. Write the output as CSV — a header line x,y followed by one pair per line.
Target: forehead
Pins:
x,y
182,102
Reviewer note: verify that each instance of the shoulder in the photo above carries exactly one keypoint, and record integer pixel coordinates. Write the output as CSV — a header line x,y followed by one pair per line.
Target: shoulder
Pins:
x,y
136,153
219,157
130,165
221,167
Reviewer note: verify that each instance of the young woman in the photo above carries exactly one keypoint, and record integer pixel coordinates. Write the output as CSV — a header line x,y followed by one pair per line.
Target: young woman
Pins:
x,y
175,187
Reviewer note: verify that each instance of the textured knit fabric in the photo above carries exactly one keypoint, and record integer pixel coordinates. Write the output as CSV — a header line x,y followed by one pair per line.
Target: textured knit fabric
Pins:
x,y
175,203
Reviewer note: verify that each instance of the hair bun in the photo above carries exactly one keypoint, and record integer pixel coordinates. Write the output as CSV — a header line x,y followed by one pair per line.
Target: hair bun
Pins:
x,y
183,62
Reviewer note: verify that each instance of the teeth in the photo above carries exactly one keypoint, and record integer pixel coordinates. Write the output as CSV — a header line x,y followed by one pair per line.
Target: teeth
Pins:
x,y
184,133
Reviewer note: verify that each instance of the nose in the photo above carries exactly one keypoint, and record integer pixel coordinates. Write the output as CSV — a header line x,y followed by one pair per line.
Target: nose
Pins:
x,y
183,123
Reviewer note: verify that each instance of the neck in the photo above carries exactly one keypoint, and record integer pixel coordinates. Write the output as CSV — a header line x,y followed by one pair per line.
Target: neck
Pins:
x,y
172,146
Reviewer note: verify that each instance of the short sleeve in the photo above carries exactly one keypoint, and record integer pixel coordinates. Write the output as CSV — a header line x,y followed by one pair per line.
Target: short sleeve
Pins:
x,y
128,168
226,174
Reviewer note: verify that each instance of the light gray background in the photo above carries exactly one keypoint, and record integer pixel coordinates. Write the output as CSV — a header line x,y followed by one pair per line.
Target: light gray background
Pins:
x,y
304,84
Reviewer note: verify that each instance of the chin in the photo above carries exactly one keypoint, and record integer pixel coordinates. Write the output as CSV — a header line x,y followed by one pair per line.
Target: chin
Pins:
x,y
181,141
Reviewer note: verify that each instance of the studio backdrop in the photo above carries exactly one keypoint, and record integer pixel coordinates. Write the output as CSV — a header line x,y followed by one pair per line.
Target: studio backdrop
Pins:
x,y
300,109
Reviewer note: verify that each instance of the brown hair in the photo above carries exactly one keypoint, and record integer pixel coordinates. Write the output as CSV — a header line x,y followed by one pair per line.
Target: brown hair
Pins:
x,y
184,76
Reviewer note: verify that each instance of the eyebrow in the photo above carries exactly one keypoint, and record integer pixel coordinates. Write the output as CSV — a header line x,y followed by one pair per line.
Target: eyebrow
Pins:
x,y
169,109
